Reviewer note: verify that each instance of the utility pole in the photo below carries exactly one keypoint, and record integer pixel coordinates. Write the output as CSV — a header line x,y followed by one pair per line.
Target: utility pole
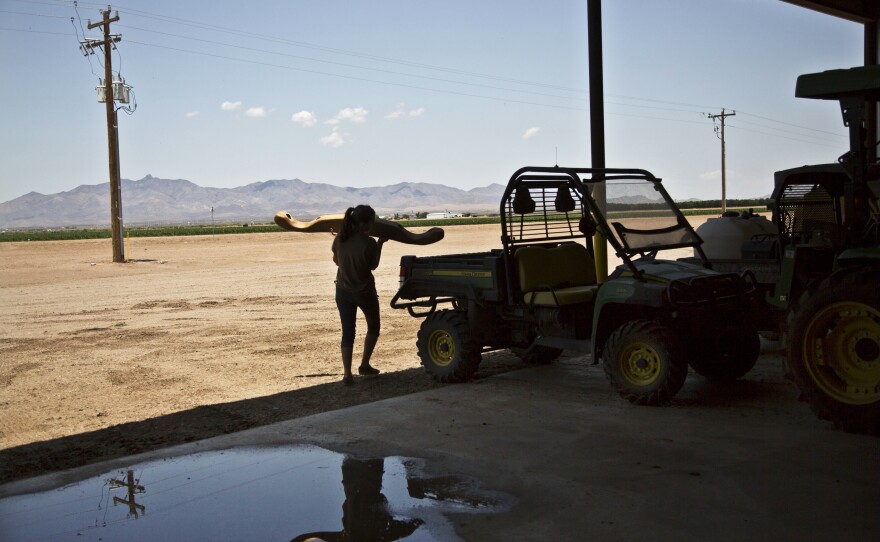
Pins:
x,y
722,116
112,135
133,488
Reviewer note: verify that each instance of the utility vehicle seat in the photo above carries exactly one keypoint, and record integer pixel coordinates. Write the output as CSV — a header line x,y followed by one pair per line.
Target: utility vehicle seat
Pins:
x,y
552,277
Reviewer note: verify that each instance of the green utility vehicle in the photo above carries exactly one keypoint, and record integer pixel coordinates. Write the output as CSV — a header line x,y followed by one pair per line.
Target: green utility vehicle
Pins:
x,y
820,268
538,295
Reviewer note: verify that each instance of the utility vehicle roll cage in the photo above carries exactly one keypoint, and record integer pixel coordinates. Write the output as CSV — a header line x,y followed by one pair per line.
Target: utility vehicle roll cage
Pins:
x,y
555,204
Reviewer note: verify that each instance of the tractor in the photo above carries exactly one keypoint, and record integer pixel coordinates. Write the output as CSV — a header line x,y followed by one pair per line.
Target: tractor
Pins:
x,y
819,267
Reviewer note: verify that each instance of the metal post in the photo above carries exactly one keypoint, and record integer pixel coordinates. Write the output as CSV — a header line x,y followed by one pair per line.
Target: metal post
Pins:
x,y
872,51
597,125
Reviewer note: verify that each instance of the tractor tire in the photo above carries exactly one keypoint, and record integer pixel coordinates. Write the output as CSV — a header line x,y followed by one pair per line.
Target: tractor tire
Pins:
x,y
540,355
643,363
445,347
834,350
727,356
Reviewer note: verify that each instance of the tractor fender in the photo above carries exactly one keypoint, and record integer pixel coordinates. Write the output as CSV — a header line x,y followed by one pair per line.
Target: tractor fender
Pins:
x,y
852,257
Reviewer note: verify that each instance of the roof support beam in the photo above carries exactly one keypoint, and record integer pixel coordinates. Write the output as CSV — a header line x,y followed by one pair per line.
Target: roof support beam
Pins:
x,y
859,11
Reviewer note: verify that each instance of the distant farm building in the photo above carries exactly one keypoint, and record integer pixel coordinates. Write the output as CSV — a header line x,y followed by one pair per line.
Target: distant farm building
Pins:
x,y
446,214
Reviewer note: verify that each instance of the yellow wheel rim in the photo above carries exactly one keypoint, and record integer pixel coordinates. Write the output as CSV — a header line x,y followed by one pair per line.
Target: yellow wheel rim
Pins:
x,y
640,364
841,351
441,348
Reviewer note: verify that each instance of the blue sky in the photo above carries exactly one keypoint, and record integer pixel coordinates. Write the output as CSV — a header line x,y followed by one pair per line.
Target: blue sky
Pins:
x,y
454,92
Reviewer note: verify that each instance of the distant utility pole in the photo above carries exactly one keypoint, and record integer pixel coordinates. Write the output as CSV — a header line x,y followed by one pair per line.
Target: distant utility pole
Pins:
x,y
112,132
722,116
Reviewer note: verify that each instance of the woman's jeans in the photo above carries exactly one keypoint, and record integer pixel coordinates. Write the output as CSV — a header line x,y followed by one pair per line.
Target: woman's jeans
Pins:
x,y
348,304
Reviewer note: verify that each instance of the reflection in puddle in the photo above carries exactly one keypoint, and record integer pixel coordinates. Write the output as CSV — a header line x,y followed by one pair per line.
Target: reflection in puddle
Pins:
x,y
278,493
365,512
133,489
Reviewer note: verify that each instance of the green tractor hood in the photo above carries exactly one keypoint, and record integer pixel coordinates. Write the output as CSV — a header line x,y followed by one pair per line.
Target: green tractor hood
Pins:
x,y
669,270
862,82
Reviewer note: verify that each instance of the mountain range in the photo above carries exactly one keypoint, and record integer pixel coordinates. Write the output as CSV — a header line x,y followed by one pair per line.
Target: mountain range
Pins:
x,y
156,201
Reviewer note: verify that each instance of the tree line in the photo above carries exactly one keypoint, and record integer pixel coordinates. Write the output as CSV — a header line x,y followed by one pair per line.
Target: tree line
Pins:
x,y
755,203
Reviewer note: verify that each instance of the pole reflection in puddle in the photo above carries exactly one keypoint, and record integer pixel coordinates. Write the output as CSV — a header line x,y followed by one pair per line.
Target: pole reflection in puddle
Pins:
x,y
254,493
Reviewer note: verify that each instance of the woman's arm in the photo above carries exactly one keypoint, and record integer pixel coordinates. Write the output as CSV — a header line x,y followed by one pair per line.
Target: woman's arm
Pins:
x,y
379,244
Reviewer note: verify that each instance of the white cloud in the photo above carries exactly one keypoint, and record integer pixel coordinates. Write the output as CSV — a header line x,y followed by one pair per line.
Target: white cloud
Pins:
x,y
531,132
192,114
230,106
711,175
334,140
400,111
306,118
397,113
354,114
256,112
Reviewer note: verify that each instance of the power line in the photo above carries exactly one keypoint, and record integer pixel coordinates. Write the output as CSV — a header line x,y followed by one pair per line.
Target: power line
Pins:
x,y
788,131
644,117
631,115
404,62
782,137
346,65
355,78
33,14
495,98
353,54
663,101
31,31
789,124
240,33
215,28
356,54
85,53
691,111
253,49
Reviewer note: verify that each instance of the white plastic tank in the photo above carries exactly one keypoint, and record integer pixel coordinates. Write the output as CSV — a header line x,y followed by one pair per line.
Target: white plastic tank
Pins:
x,y
723,237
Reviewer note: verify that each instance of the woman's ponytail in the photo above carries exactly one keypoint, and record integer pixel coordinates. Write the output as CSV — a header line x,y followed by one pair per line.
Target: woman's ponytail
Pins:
x,y
347,225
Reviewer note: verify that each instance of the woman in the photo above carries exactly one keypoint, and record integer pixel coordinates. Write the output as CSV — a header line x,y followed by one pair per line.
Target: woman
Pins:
x,y
356,254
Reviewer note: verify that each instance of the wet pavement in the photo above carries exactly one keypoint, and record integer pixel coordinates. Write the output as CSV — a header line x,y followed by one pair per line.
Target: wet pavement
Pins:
x,y
546,453
252,493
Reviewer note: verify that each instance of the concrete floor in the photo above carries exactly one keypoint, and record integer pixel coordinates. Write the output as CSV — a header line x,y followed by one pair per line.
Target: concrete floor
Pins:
x,y
743,461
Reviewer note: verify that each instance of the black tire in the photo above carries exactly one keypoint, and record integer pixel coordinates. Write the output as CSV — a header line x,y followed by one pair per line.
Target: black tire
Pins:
x,y
539,355
642,361
727,355
445,347
834,350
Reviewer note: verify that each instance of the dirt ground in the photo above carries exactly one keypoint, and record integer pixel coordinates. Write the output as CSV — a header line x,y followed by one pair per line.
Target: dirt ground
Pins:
x,y
194,337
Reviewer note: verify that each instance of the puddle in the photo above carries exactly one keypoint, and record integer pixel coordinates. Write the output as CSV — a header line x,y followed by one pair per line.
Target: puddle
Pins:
x,y
261,493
